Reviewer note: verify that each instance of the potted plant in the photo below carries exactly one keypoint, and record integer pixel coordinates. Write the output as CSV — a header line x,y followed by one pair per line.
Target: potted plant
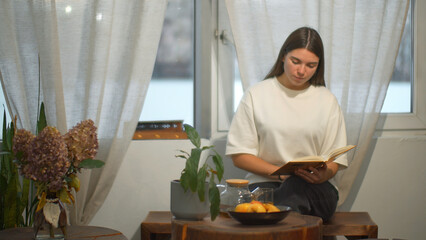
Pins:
x,y
193,178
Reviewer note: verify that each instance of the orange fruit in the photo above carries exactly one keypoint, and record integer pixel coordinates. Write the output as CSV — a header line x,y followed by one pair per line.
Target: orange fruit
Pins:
x,y
242,207
270,207
257,207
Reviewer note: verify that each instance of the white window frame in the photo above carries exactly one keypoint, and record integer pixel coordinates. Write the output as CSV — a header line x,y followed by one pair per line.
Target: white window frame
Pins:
x,y
204,69
417,119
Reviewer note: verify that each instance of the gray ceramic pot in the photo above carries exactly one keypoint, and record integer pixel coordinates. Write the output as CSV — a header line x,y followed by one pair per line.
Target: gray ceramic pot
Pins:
x,y
187,205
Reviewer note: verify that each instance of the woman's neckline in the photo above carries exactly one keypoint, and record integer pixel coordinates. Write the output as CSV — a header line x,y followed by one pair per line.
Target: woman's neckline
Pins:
x,y
289,90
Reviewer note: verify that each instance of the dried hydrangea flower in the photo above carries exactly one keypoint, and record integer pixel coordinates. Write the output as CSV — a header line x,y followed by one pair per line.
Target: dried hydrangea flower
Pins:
x,y
48,159
21,146
82,142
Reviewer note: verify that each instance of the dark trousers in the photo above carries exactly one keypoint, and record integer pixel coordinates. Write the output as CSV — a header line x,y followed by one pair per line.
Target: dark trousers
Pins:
x,y
311,199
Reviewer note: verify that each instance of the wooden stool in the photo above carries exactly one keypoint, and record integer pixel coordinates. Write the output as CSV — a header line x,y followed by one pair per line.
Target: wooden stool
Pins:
x,y
352,225
157,225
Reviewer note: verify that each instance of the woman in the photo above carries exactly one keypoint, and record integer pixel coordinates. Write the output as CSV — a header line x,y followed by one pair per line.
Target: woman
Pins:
x,y
289,115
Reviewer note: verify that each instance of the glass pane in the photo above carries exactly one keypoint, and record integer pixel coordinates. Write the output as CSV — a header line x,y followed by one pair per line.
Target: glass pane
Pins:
x,y
398,97
3,108
170,94
238,86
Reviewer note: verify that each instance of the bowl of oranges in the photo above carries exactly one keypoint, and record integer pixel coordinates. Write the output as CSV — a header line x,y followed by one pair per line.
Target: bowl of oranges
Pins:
x,y
258,213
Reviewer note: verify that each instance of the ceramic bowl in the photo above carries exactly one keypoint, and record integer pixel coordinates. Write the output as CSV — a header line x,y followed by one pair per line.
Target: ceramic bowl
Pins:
x,y
260,218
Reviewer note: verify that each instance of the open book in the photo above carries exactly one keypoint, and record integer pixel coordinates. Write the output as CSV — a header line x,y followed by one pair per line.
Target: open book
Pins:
x,y
310,161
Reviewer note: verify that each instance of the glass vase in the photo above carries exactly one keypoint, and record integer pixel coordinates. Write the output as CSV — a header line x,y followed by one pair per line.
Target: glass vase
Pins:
x,y
50,222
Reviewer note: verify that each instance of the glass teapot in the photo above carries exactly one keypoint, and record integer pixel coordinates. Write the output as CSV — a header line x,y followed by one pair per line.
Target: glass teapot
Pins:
x,y
236,192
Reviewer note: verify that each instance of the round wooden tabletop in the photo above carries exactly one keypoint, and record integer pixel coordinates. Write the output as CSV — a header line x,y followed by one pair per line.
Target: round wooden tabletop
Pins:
x,y
294,226
74,232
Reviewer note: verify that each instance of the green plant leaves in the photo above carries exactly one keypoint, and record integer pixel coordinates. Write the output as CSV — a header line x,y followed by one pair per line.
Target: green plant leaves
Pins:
x,y
42,122
193,135
12,198
91,163
217,160
201,180
214,197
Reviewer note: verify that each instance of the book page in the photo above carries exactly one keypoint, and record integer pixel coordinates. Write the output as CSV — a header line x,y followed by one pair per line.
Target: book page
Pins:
x,y
310,161
335,153
309,158
290,167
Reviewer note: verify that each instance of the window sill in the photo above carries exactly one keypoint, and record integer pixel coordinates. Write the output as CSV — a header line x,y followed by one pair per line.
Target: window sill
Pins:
x,y
159,130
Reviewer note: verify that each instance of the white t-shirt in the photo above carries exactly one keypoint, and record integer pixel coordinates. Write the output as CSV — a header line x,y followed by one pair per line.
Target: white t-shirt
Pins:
x,y
278,124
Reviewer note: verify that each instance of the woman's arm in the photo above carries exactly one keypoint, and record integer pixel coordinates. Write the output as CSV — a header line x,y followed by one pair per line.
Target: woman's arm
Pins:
x,y
255,165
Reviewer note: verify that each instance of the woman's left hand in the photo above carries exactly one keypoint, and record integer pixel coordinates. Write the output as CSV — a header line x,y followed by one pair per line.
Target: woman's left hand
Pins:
x,y
318,175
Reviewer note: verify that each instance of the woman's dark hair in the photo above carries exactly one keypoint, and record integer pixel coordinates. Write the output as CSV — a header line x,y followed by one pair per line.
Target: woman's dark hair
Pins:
x,y
306,38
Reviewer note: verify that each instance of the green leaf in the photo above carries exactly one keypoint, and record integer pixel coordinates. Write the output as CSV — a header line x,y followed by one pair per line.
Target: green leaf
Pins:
x,y
25,194
201,179
193,135
184,181
214,197
8,141
42,122
181,156
67,179
184,152
91,163
217,159
11,200
3,187
7,167
32,209
191,168
207,147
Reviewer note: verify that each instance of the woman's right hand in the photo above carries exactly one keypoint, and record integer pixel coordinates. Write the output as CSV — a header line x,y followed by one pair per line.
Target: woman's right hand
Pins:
x,y
318,175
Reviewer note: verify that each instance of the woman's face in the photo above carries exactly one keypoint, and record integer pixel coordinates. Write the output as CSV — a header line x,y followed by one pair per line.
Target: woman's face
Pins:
x,y
299,66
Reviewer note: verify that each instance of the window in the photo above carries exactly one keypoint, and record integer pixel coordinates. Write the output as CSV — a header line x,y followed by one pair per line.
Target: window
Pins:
x,y
404,104
178,78
398,97
3,108
415,118
170,94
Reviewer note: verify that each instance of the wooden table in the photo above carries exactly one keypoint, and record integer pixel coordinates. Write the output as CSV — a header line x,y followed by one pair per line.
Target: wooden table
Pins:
x,y
294,226
355,225
161,225
74,233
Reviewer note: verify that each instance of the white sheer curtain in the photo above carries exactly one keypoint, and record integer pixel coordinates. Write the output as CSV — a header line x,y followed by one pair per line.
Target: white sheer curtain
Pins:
x,y
361,39
96,60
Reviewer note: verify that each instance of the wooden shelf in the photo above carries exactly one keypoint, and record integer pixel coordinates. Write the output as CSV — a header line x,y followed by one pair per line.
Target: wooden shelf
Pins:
x,y
160,130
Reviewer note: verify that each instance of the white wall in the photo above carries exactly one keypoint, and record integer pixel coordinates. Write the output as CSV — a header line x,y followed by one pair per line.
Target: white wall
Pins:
x,y
391,186
142,184
393,189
